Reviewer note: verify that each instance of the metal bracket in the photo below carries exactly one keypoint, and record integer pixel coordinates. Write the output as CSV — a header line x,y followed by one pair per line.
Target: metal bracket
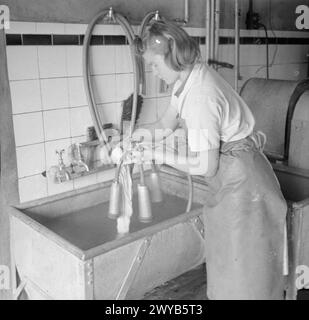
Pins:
x,y
198,225
19,290
89,277
134,268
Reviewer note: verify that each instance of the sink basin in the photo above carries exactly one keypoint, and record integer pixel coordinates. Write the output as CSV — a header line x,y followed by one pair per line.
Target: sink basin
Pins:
x,y
65,246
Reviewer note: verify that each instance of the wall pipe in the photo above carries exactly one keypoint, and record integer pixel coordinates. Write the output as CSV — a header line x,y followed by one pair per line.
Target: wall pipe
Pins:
x,y
212,29
217,28
236,57
208,35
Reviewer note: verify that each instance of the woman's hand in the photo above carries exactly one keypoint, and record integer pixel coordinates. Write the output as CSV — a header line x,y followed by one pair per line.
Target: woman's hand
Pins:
x,y
139,154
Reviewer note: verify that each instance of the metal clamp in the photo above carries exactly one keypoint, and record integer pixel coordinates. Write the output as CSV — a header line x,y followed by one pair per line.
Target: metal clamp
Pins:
x,y
134,268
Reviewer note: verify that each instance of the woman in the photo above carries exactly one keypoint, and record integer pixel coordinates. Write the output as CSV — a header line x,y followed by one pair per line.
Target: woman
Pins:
x,y
245,212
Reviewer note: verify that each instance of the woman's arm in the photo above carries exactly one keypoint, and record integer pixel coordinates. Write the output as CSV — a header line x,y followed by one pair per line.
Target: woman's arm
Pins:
x,y
204,163
158,130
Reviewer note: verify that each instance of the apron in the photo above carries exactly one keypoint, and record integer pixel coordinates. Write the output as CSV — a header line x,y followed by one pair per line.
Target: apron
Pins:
x,y
244,220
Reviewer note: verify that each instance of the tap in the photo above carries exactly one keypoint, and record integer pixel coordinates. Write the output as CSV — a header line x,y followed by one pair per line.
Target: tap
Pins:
x,y
61,174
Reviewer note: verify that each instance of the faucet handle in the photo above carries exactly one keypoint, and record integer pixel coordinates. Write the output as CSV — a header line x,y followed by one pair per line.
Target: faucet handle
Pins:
x,y
60,157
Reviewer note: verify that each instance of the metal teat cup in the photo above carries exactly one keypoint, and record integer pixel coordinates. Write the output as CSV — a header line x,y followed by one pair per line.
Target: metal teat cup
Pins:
x,y
144,203
155,188
114,201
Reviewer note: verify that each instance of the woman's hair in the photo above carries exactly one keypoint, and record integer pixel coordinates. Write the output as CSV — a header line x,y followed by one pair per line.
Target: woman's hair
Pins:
x,y
178,48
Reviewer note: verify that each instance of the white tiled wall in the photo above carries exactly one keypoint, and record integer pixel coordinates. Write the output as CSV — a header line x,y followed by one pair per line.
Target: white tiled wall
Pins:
x,y
50,109
287,62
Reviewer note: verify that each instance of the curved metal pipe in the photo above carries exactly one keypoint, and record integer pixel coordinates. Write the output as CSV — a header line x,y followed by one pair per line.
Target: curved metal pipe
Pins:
x,y
149,16
118,18
87,78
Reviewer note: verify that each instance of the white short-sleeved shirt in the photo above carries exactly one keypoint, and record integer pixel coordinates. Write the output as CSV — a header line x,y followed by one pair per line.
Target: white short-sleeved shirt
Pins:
x,y
211,109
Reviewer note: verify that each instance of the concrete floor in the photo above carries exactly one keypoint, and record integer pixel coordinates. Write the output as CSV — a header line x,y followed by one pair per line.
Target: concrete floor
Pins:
x,y
192,286
189,286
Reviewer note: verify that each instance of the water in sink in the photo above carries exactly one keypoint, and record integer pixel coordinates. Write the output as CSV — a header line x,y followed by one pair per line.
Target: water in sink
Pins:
x,y
90,227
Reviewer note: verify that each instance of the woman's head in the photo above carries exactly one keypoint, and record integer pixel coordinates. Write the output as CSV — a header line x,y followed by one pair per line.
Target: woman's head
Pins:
x,y
169,50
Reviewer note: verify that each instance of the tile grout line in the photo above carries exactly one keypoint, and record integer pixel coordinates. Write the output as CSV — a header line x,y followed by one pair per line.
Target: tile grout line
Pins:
x,y
43,125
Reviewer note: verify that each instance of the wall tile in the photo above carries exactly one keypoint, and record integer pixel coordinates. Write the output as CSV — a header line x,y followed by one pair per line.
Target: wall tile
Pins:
x,y
78,139
226,53
50,28
54,93
65,39
28,128
56,124
30,160
110,113
124,86
52,61
290,53
149,111
228,75
22,62
247,72
50,152
75,28
77,95
13,40
74,61
151,85
203,52
21,27
85,181
292,71
107,175
80,120
37,40
57,188
31,188
104,88
162,105
123,60
101,29
26,96
102,59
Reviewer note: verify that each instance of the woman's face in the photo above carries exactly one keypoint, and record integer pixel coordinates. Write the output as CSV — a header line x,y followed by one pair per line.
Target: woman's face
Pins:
x,y
160,68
